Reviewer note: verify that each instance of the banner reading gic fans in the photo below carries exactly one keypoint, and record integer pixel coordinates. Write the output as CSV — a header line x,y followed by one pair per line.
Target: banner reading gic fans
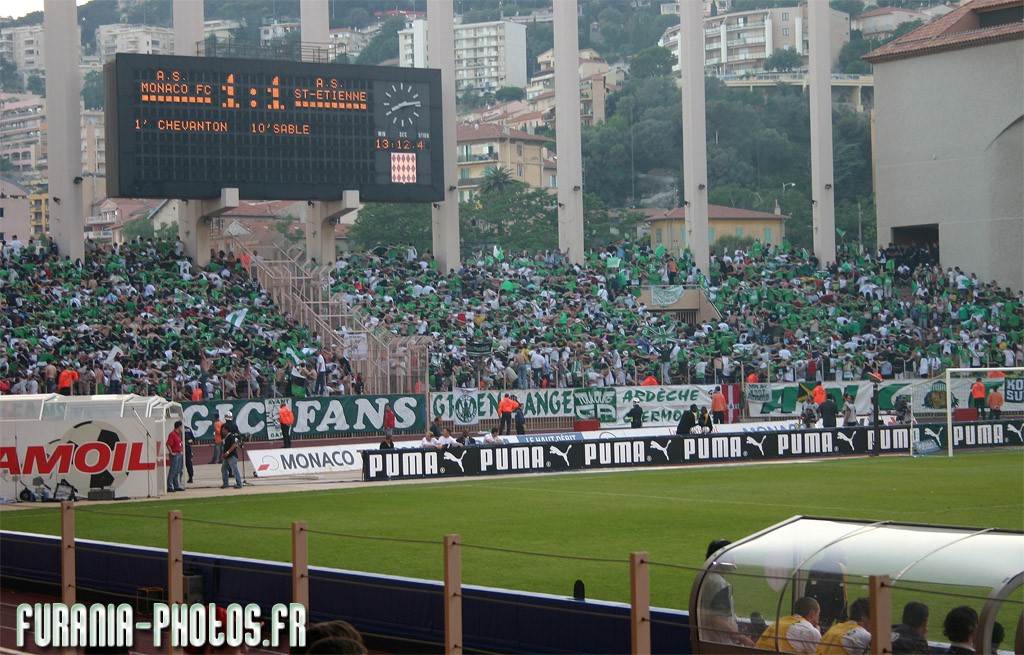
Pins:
x,y
257,418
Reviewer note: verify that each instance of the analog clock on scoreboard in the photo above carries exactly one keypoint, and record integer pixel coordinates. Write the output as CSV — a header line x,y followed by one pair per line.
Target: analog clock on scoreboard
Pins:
x,y
186,127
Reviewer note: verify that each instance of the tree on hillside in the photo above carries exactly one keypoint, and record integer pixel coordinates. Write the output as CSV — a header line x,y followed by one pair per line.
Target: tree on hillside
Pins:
x,y
392,223
138,227
651,62
783,59
518,218
10,80
357,18
852,7
92,90
36,84
384,44
507,93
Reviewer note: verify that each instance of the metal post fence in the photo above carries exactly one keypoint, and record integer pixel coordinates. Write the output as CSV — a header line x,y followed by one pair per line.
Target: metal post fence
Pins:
x,y
67,553
452,594
300,564
640,601
880,598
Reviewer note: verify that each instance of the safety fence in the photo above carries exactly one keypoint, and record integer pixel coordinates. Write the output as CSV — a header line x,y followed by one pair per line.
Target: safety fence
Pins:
x,y
413,614
417,613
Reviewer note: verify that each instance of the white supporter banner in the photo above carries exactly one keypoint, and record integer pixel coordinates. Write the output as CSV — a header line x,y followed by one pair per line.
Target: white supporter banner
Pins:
x,y
464,403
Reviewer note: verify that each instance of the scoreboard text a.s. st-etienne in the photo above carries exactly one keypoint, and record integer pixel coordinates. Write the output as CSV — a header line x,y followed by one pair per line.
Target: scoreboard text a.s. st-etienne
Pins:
x,y
186,127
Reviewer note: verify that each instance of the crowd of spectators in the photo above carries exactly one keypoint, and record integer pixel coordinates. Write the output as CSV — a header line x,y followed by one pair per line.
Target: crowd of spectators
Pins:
x,y
528,320
138,318
141,318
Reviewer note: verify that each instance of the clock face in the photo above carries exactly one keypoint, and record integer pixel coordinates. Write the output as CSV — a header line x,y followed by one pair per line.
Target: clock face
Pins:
x,y
403,105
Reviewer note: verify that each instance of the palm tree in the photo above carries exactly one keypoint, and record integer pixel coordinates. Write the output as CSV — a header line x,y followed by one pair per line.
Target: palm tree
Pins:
x,y
496,179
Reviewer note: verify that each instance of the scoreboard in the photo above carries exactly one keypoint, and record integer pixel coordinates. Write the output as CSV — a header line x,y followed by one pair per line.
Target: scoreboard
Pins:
x,y
186,127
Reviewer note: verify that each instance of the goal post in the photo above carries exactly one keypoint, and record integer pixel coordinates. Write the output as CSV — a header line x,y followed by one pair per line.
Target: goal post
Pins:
x,y
958,385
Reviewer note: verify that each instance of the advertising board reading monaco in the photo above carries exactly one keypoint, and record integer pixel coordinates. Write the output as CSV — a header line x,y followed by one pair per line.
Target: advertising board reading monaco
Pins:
x,y
187,127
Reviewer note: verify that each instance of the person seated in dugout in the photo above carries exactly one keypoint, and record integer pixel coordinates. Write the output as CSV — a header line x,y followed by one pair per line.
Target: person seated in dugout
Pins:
x,y
795,633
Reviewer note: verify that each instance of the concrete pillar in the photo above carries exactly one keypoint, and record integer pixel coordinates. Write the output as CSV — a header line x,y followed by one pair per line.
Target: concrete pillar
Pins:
x,y
823,209
187,16
441,54
320,218
314,27
64,128
194,218
568,127
695,141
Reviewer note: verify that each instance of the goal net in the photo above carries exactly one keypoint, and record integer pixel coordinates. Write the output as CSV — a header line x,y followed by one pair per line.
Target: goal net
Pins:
x,y
959,392
938,400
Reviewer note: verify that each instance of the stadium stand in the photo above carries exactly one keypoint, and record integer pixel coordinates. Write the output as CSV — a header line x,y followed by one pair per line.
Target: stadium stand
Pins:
x,y
174,328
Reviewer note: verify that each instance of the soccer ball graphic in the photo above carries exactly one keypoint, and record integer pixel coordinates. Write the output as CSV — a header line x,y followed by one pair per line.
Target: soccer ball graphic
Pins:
x,y
79,435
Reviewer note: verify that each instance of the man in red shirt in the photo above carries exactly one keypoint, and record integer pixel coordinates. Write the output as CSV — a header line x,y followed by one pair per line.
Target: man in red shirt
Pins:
x,y
286,418
978,397
175,458
718,406
67,378
389,420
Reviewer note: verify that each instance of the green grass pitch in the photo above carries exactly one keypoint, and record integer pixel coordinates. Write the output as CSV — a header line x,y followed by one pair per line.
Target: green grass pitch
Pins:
x,y
670,513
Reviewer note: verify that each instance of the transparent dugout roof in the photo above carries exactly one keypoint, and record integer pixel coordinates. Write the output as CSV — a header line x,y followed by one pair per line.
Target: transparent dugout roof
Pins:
x,y
905,552
58,407
756,581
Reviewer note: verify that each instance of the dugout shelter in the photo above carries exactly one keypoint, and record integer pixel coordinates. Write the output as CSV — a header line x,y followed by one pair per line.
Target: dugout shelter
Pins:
x,y
105,447
754,582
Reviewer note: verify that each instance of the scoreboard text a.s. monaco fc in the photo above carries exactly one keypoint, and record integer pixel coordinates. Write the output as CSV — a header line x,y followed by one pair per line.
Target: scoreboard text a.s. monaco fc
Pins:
x,y
186,127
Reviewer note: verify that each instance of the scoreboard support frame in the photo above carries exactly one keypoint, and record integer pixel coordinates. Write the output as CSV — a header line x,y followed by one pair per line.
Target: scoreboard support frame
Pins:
x,y
194,218
320,216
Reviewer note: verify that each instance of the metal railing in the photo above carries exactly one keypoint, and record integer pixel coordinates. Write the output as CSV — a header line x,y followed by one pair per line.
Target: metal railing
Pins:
x,y
386,362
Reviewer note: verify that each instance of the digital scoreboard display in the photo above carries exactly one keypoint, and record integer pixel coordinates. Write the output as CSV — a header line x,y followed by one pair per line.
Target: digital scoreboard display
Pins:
x,y
186,127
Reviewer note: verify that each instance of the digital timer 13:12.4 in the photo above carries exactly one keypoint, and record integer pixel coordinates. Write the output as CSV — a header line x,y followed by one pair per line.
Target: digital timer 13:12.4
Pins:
x,y
402,144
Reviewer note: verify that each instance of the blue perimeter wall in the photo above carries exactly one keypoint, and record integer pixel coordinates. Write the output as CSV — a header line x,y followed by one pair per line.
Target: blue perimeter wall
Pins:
x,y
406,608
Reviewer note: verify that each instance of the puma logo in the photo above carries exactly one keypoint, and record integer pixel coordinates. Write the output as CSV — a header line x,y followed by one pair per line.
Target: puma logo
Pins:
x,y
663,449
847,438
751,441
1016,430
565,456
931,433
452,458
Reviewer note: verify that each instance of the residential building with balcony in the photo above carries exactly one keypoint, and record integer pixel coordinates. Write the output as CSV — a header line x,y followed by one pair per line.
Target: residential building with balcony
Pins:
x,y
224,30
38,214
274,31
738,43
596,80
523,155
880,23
488,56
140,39
24,46
94,158
709,7
23,132
347,41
